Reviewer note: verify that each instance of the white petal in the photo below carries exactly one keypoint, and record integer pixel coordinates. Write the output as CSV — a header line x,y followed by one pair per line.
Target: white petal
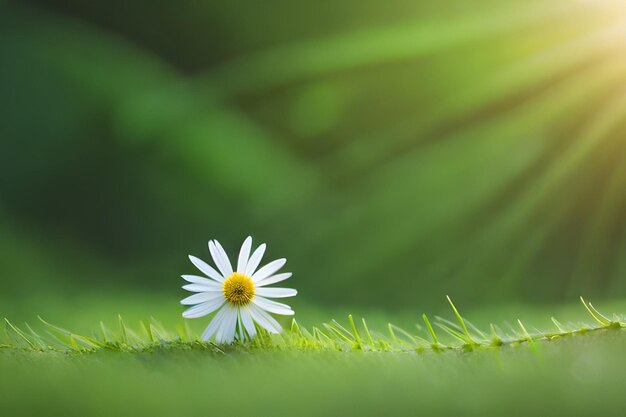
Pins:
x,y
203,309
273,279
265,320
214,324
246,319
230,332
206,268
255,260
220,258
240,335
276,303
273,306
201,288
221,326
201,298
276,292
194,279
244,254
268,269
226,332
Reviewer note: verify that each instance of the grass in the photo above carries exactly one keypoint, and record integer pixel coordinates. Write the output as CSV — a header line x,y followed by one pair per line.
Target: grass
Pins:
x,y
439,367
331,336
580,375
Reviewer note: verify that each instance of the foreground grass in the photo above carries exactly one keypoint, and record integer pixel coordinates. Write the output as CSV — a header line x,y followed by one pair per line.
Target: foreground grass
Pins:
x,y
331,336
438,368
580,375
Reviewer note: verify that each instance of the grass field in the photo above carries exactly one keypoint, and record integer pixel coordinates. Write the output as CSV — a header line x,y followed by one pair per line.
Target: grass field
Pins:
x,y
379,371
578,376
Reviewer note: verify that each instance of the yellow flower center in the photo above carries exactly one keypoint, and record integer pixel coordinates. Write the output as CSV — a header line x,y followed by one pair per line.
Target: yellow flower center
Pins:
x,y
238,289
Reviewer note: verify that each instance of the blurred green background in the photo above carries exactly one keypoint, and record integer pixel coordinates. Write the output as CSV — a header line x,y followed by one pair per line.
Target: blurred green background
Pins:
x,y
393,152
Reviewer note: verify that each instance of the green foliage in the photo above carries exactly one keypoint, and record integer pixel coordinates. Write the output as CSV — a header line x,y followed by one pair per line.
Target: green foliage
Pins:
x,y
438,146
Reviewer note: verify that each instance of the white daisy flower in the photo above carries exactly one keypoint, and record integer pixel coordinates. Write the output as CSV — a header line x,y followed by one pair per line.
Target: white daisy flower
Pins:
x,y
240,295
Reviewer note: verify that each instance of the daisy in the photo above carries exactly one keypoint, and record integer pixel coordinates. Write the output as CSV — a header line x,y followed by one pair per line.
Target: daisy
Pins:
x,y
241,296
